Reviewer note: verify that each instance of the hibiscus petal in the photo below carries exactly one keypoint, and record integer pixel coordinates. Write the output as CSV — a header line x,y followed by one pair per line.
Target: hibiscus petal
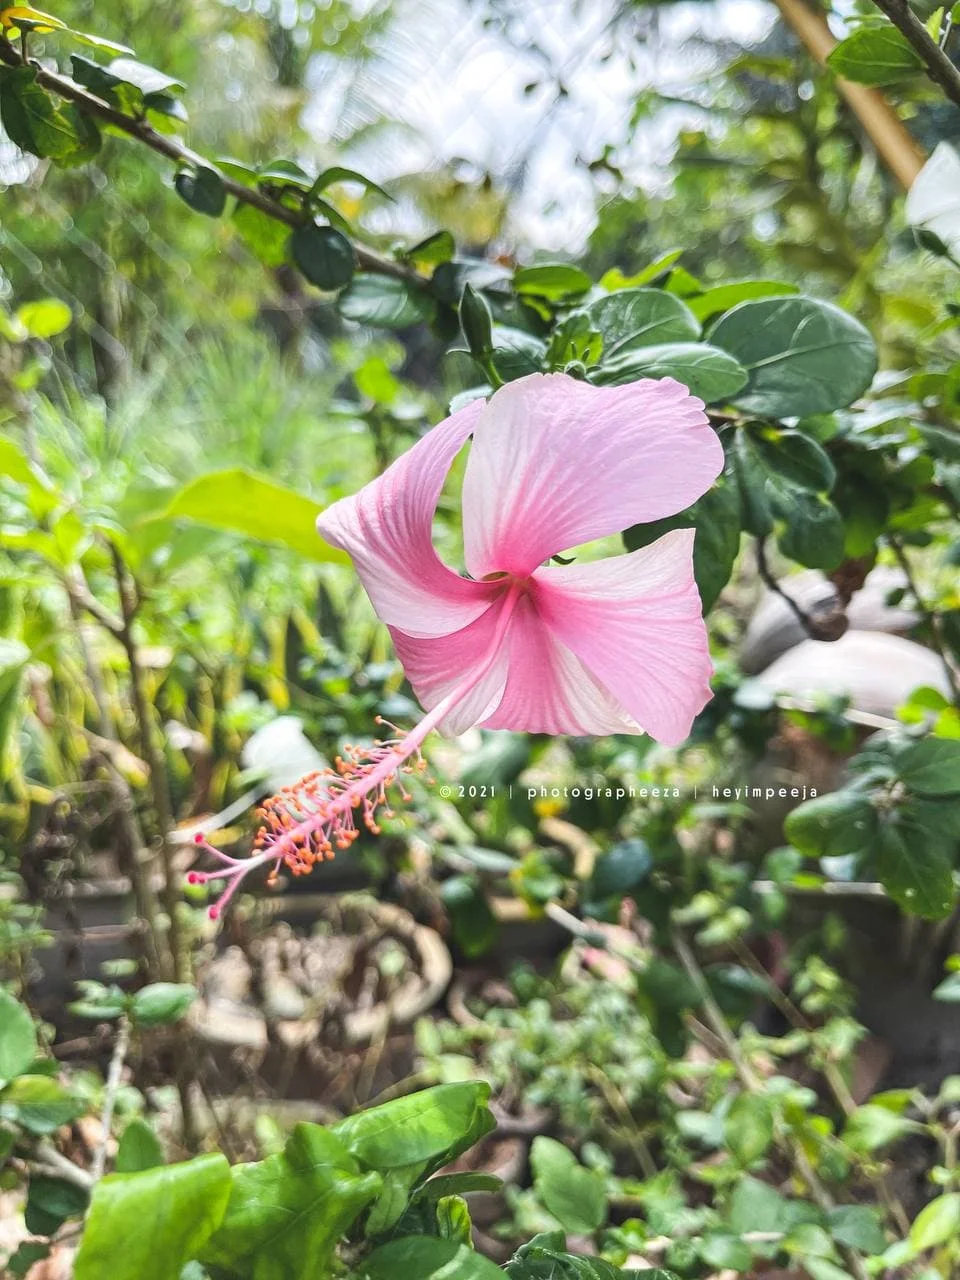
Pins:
x,y
435,665
386,529
556,462
635,622
548,689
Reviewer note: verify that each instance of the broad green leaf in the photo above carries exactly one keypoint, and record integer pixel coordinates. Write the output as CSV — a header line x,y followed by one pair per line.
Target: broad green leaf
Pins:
x,y
476,322
459,1184
716,518
243,503
756,1206
32,117
554,281
44,318
100,80
50,1202
337,173
748,1127
858,1226
324,255
803,356
39,1104
475,927
428,1258
382,302
876,55
915,867
724,296
202,189
146,1226
937,1222
161,1003
440,247
621,868
720,1252
812,532
287,1213
18,1039
139,1148
434,1125
576,1196
833,825
634,318
264,236
147,79
931,767
709,373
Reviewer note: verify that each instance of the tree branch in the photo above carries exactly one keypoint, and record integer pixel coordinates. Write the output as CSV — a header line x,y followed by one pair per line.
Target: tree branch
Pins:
x,y
939,67
110,1097
174,150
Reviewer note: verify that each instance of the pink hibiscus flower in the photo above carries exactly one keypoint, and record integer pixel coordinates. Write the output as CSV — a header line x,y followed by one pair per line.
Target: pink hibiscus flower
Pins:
x,y
611,646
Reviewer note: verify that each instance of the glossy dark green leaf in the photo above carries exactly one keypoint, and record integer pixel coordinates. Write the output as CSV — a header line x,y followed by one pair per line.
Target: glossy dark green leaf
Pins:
x,y
803,356
876,55
287,1213
183,1205
25,1257
428,1258
475,927
915,867
324,255
18,1039
708,373
833,825
119,93
576,1196
202,189
433,1125
621,868
516,353
50,1202
383,302
34,120
476,322
632,318
931,767
812,532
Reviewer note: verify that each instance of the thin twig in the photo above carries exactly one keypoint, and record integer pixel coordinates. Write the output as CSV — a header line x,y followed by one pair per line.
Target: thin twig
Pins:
x,y
52,1164
118,1058
930,615
769,581
165,145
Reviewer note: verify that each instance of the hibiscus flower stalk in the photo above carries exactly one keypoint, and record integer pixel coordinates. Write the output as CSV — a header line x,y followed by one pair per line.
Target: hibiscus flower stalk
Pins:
x,y
613,646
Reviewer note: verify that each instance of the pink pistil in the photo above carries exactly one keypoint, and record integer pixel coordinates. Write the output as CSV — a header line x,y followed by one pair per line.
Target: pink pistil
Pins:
x,y
308,822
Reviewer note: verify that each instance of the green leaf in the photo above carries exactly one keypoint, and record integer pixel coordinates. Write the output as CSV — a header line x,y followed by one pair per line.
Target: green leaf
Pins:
x,y
18,1039
45,318
621,868
803,356
115,90
721,1252
264,236
25,1258
813,533
32,118
916,869
748,1127
876,55
240,502
476,322
39,1103
460,1184
709,373
147,79
554,281
716,518
434,1125
139,1148
50,1202
577,1197
634,318
383,302
146,1226
453,1219
931,767
440,247
202,189
287,1213
755,1206
337,173
713,301
475,927
324,255
936,1223
428,1258
858,1227
833,825
161,1003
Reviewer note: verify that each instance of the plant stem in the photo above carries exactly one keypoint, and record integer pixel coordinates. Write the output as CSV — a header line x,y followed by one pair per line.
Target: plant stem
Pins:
x,y
930,615
156,767
172,149
117,1060
937,64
